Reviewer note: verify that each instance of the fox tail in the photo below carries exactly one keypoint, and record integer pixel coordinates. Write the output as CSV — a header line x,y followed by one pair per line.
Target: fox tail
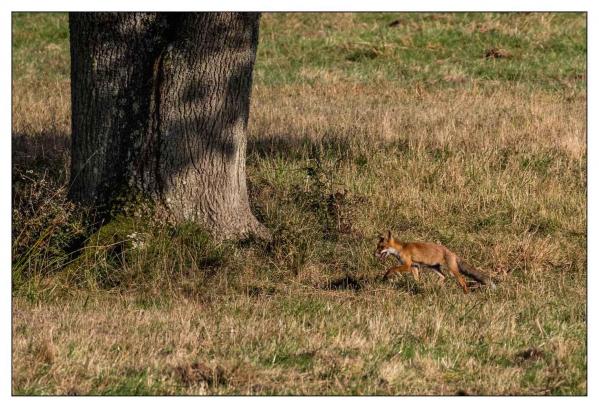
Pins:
x,y
474,273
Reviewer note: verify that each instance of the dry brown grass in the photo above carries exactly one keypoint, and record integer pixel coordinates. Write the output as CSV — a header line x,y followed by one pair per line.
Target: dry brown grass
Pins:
x,y
327,341
301,341
495,170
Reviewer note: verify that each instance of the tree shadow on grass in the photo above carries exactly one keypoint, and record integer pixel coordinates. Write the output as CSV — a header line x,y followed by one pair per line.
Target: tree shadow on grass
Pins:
x,y
47,228
407,286
301,147
344,283
41,153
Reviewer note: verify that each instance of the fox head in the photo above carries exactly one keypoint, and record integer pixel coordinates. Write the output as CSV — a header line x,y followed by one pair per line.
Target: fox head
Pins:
x,y
384,247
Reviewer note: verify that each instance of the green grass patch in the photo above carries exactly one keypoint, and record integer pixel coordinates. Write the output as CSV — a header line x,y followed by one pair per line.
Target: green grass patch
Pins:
x,y
445,49
40,44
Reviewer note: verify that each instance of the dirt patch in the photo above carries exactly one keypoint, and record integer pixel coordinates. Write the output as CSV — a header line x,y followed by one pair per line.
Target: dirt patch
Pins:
x,y
257,291
530,354
197,372
497,53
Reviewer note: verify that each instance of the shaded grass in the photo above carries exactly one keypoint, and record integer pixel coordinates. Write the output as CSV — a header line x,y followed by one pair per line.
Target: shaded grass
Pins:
x,y
349,136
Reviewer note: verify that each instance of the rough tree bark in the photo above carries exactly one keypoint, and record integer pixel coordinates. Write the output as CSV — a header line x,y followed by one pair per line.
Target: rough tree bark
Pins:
x,y
160,105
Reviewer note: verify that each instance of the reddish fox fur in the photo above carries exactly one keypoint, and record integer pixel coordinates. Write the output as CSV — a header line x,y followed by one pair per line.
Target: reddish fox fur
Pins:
x,y
413,255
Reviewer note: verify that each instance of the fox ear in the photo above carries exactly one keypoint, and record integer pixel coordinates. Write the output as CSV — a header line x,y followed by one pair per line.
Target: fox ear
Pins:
x,y
388,234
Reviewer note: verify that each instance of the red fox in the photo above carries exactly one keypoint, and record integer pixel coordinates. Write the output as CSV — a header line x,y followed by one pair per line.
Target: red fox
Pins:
x,y
413,255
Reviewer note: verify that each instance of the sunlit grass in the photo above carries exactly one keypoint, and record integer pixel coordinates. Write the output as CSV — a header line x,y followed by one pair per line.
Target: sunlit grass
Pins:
x,y
356,127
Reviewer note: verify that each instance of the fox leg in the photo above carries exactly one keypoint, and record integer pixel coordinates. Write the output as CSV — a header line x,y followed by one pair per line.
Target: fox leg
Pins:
x,y
452,264
440,275
415,272
439,272
396,270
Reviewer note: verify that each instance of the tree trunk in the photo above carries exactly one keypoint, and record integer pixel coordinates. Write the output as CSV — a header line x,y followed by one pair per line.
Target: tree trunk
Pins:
x,y
160,105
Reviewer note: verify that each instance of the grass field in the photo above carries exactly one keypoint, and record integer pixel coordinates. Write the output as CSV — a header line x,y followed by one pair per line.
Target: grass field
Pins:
x,y
464,129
